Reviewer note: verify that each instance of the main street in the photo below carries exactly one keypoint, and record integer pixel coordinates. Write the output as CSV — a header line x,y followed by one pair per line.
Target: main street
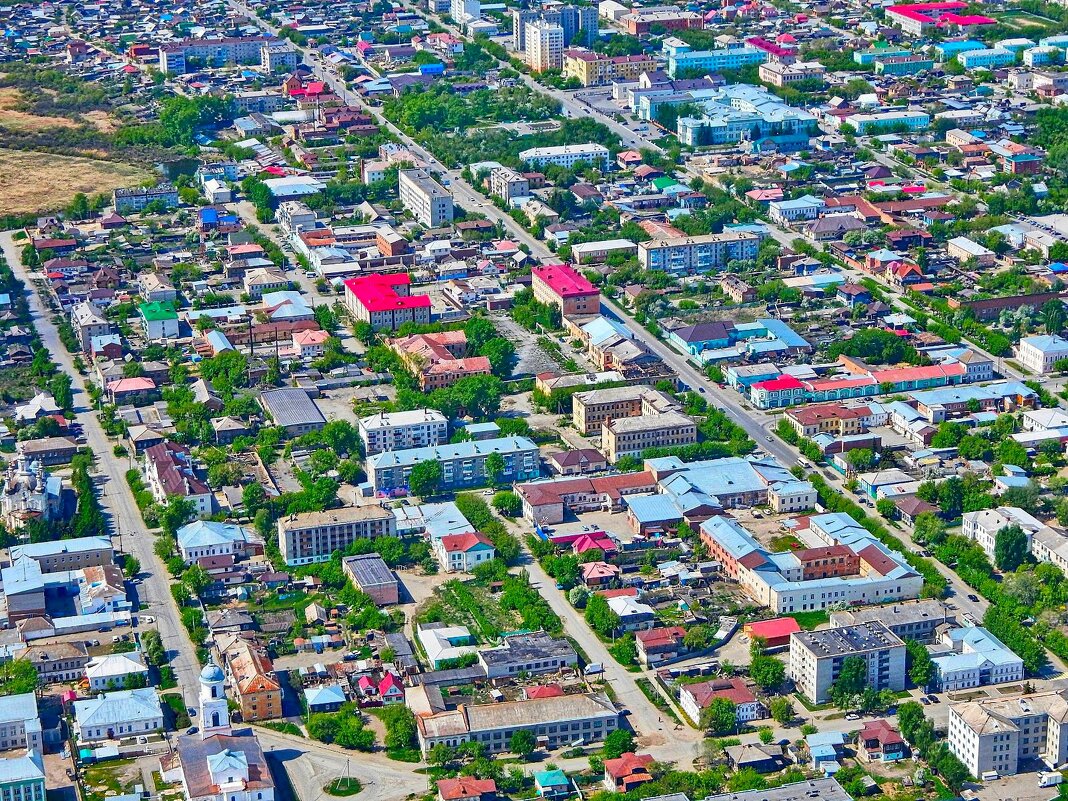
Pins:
x,y
154,593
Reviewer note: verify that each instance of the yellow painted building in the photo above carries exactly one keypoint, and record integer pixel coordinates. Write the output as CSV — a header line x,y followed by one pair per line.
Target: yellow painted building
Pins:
x,y
595,69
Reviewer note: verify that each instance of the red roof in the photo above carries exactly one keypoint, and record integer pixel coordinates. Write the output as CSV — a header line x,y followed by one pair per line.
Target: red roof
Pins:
x,y
465,787
773,629
464,542
782,382
877,560
389,684
378,292
564,280
544,691
661,636
627,765
706,691
882,731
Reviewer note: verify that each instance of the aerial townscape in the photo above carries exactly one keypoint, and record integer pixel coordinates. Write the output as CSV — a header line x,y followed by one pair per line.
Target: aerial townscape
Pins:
x,y
447,400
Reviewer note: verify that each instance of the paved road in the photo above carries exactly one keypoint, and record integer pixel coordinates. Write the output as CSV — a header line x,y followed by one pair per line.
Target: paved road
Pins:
x,y
115,496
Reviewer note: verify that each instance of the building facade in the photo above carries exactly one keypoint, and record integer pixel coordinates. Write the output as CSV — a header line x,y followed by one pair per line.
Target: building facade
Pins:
x,y
314,536
816,658
425,198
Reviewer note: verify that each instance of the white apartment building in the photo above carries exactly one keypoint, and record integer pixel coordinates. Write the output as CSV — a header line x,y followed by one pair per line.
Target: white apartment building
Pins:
x,y
425,198
567,155
998,734
398,431
544,45
1039,353
294,216
464,11
20,722
816,658
506,183
314,536
978,659
697,254
983,526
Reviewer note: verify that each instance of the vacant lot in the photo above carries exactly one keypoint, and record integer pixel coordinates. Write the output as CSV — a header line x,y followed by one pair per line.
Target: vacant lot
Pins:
x,y
1027,22
34,181
13,118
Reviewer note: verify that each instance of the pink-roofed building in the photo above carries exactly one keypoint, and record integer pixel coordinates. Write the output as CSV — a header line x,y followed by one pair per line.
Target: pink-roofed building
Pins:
x,y
918,19
310,344
660,644
366,686
384,301
598,541
466,788
131,390
694,698
597,574
391,689
564,287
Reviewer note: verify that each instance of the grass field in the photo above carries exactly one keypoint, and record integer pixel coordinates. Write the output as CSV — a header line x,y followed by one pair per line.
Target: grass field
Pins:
x,y
32,181
13,118
1027,23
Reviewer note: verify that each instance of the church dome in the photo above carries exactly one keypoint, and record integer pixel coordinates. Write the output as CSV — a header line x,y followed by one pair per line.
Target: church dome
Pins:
x,y
212,674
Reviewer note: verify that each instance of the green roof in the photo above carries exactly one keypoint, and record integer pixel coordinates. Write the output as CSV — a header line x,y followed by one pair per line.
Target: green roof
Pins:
x,y
664,182
158,310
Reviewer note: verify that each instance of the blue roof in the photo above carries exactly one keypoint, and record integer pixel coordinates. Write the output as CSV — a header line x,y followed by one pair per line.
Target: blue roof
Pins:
x,y
651,508
457,450
218,341
550,777
209,215
325,694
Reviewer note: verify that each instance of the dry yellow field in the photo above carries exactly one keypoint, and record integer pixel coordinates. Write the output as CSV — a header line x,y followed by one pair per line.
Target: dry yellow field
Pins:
x,y
15,120
32,181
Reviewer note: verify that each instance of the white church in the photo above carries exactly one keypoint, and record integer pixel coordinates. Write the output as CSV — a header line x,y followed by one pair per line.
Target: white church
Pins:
x,y
217,763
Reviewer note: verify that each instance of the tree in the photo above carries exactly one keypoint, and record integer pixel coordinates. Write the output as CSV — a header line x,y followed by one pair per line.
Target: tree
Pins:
x,y
861,459
720,717
440,755
425,479
522,743
176,514
197,579
618,743
59,386
920,666
697,638
625,650
494,467
851,681
600,617
1053,316
132,565
1010,548
767,671
508,503
18,677
766,735
886,508
928,529
782,711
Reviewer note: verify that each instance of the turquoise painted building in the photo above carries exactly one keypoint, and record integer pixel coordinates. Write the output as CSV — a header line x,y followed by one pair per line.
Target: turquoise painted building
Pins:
x,y
22,778
902,65
869,56
987,58
955,47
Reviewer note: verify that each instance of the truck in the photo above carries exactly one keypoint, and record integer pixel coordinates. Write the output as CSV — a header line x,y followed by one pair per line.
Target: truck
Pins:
x,y
1050,778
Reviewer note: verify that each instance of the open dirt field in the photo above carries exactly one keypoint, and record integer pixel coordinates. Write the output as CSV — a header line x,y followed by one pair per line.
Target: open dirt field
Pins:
x,y
33,181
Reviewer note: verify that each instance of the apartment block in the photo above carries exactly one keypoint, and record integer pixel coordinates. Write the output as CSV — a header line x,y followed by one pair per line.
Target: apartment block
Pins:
x,y
568,155
385,301
779,73
631,436
999,734
816,658
178,57
916,620
564,287
506,183
591,409
697,254
463,464
314,536
544,46
983,526
597,69
396,431
425,198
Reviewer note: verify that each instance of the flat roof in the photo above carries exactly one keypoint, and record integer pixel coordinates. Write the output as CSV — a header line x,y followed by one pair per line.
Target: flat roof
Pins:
x,y
847,640
369,570
291,406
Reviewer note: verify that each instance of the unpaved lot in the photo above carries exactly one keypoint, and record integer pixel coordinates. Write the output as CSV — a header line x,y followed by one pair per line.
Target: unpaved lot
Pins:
x,y
32,181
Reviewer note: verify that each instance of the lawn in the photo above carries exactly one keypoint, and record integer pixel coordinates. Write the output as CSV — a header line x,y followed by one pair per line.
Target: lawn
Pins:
x,y
343,787
177,706
786,542
1027,23
110,778
32,181
809,620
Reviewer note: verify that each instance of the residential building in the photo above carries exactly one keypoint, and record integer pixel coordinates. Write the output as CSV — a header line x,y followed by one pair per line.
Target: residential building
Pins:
x,y
438,359
464,11
816,658
58,661
112,671
292,409
627,772
591,409
211,538
561,720
425,198
987,58
545,502
642,20
794,210
779,73
22,777
176,57
830,418
385,301
120,715
461,553
910,64
277,56
169,473
568,155
660,644
528,654
544,45
597,69
915,620
695,698
1000,734
463,464
823,789
711,61
20,722
983,526
136,198
506,183
697,254
466,788
397,431
962,249
1040,353
631,436
564,287
252,679
878,741
314,536
88,322
978,659
373,577
880,122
